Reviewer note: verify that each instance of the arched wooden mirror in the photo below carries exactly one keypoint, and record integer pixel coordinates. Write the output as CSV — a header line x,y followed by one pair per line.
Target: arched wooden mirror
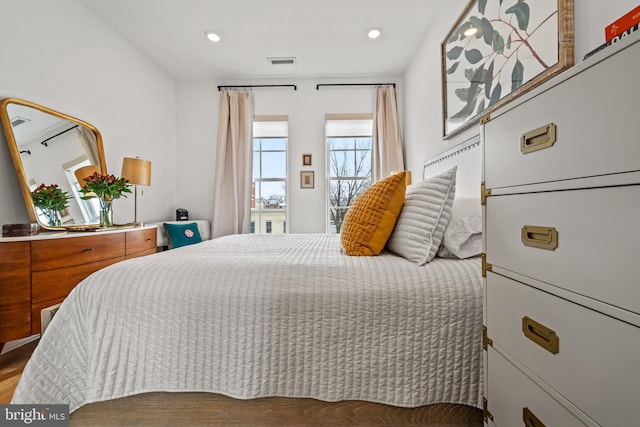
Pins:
x,y
48,147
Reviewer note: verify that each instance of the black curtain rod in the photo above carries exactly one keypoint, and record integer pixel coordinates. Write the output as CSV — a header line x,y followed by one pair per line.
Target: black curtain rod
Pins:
x,y
354,84
57,134
224,87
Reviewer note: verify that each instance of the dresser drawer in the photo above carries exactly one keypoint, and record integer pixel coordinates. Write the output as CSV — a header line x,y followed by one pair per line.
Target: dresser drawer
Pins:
x,y
597,240
511,391
596,364
140,242
594,112
52,284
15,292
58,253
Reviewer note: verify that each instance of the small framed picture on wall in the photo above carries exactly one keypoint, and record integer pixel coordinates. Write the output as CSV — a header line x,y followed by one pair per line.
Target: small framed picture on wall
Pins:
x,y
306,179
306,160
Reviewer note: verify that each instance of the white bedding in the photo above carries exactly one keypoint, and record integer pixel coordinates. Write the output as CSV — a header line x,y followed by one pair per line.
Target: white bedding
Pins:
x,y
253,316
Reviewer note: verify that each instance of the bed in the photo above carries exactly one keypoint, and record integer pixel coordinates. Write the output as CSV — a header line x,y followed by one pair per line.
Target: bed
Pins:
x,y
254,316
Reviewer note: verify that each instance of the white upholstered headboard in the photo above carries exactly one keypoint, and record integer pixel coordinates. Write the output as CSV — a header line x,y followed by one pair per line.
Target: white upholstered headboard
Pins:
x,y
467,155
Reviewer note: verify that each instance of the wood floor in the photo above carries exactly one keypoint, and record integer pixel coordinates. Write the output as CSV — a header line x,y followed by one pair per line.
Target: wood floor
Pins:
x,y
11,366
205,409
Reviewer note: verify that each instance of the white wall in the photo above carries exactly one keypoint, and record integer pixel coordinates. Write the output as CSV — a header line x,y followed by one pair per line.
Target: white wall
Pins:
x,y
423,96
58,54
306,108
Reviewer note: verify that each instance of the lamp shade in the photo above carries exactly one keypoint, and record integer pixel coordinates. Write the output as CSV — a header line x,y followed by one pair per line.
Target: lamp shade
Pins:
x,y
137,171
84,172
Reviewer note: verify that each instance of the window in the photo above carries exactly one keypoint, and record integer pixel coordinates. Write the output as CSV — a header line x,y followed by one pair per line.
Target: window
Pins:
x,y
269,183
90,208
349,140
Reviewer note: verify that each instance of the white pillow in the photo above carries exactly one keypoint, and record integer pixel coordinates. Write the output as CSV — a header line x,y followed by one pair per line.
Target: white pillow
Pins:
x,y
463,236
424,218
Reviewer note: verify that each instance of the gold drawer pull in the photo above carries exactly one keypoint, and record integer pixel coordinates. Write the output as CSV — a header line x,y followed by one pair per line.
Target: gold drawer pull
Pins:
x,y
88,250
540,237
530,420
537,139
541,335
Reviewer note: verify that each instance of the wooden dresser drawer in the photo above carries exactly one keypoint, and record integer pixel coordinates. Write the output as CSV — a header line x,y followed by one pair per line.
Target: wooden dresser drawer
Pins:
x,y
512,391
597,240
15,294
59,253
57,283
52,286
594,114
140,242
596,363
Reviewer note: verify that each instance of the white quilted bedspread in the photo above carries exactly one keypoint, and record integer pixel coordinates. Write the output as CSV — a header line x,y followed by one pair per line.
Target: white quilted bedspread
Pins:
x,y
253,316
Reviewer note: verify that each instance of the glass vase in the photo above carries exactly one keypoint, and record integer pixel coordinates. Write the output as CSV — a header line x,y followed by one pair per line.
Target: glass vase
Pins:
x,y
53,218
106,212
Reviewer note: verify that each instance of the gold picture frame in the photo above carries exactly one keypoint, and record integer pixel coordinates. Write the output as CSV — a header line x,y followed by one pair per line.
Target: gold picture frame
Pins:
x,y
306,179
499,49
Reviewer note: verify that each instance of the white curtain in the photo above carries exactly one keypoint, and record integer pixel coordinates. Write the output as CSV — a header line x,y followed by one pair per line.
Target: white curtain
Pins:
x,y
387,146
90,144
232,196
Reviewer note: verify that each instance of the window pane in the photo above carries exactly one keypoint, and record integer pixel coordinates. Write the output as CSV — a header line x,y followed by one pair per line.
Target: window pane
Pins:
x,y
349,144
274,190
340,143
363,164
342,164
274,164
274,144
363,143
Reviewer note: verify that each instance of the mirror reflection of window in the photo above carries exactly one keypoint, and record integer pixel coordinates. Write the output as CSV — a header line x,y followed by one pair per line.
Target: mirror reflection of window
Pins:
x,y
89,208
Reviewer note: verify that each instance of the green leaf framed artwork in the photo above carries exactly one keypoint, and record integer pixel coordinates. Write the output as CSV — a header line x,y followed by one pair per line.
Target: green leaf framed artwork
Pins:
x,y
498,50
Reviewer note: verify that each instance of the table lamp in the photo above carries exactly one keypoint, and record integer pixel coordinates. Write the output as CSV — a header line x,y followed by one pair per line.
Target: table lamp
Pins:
x,y
138,172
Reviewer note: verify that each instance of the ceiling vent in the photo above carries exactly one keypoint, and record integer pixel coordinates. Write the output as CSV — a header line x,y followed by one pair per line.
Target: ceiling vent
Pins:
x,y
17,121
282,61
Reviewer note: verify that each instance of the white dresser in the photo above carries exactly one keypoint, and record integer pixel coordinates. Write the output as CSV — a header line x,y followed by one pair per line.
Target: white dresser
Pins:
x,y
562,242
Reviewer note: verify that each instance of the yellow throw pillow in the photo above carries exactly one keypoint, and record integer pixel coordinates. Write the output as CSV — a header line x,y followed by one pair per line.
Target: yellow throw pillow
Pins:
x,y
372,216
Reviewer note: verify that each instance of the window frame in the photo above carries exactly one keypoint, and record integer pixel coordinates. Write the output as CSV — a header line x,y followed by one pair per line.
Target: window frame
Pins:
x,y
333,229
259,219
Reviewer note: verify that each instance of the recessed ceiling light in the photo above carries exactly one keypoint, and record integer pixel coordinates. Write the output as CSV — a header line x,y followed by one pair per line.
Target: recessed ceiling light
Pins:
x,y
212,36
374,33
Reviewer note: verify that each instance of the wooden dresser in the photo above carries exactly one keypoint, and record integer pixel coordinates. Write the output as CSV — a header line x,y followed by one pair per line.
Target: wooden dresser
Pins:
x,y
40,271
562,266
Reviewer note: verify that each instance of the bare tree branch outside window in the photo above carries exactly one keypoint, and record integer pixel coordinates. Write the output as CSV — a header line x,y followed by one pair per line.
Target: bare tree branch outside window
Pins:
x,y
350,175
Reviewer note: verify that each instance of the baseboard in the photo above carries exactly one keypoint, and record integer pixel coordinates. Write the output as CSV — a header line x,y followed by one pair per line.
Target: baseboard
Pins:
x,y
12,345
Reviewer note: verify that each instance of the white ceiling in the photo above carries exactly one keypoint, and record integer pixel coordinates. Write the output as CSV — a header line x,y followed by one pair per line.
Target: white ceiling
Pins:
x,y
327,37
